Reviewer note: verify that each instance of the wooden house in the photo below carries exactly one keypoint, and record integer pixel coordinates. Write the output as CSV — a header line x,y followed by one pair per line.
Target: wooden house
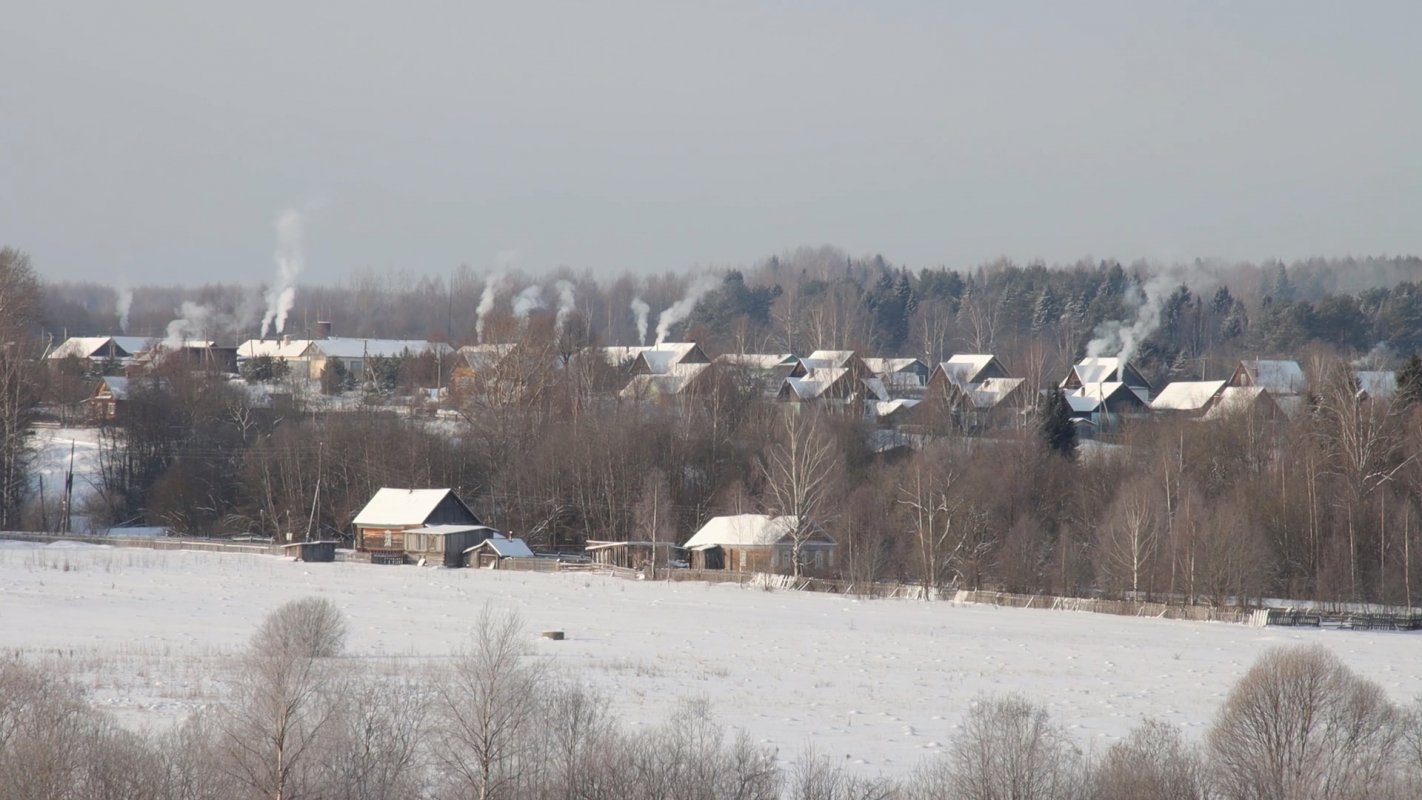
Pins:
x,y
493,551
1277,377
974,392
109,398
655,359
758,543
902,376
382,525
1089,371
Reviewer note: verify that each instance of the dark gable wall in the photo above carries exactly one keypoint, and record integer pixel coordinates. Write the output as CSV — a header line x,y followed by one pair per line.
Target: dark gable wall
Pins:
x,y
451,512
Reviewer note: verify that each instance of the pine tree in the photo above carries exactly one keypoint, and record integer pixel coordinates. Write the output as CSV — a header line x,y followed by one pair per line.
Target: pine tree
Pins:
x,y
1409,382
1056,426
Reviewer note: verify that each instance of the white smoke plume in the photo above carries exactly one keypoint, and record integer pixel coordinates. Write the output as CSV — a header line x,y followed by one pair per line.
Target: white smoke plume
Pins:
x,y
566,301
281,296
528,301
122,304
1120,338
195,321
641,309
486,303
682,308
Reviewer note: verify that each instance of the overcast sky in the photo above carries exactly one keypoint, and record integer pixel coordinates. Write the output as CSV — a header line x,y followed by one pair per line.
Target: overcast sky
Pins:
x,y
159,141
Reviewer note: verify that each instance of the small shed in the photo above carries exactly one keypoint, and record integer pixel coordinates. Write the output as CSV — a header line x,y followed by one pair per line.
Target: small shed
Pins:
x,y
493,550
322,550
444,544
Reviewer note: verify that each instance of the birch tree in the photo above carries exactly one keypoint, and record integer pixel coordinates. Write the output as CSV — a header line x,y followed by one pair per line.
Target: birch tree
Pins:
x,y
799,475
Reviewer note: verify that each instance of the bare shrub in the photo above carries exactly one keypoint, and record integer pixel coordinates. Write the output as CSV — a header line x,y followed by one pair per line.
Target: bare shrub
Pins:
x,y
312,627
814,777
1301,726
373,747
1154,762
1008,750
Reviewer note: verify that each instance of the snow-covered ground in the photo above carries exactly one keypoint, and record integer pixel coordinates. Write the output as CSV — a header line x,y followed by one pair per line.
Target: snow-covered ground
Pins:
x,y
52,461
878,683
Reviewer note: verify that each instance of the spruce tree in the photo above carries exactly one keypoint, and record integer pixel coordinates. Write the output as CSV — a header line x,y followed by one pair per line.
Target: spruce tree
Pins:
x,y
1409,382
1056,426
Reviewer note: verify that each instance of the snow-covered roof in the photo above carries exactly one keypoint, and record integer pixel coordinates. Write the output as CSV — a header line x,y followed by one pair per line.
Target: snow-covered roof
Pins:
x,y
1377,383
674,381
756,360
82,347
990,392
1233,400
484,356
742,530
1279,377
884,408
134,345
964,367
116,386
888,366
273,348
1098,370
1186,395
446,530
504,547
1083,404
337,347
875,389
815,383
398,507
829,358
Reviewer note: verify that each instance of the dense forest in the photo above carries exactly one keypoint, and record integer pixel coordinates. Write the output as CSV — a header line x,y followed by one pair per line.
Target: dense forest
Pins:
x,y
1325,505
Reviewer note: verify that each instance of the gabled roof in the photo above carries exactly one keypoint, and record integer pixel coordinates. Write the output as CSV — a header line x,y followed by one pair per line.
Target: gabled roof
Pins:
x,y
991,392
480,357
888,366
446,530
113,386
963,368
1279,377
1381,384
885,408
401,507
678,379
829,358
504,547
757,360
1237,399
745,530
814,384
1097,370
86,347
1187,395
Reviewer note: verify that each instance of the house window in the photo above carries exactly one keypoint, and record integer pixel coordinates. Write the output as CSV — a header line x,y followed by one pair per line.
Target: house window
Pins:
x,y
743,560
389,539
819,559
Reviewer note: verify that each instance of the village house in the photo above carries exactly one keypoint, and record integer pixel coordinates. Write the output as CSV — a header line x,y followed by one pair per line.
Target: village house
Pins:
x,y
102,348
1283,380
901,376
655,359
759,543
398,525
1103,391
764,373
976,393
109,399
679,379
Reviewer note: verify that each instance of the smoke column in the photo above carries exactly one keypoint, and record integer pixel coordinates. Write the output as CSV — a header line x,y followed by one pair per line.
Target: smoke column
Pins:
x,y
641,309
682,308
122,305
282,294
566,301
1120,338
192,322
486,303
527,301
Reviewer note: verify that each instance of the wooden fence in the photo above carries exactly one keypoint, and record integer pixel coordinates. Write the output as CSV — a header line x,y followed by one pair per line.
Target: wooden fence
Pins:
x,y
155,543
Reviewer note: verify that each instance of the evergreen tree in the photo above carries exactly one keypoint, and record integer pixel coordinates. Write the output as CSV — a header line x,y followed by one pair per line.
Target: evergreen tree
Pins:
x,y
1409,382
1056,426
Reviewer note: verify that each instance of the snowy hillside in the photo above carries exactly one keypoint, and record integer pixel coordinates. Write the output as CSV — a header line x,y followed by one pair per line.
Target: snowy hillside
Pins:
x,y
876,683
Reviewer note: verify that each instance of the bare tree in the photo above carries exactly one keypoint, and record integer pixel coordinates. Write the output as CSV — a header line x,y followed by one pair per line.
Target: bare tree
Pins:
x,y
19,318
282,701
799,472
1128,541
485,701
1301,726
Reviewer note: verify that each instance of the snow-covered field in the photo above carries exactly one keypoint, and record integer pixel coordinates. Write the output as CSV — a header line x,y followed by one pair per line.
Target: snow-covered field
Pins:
x,y
53,448
878,683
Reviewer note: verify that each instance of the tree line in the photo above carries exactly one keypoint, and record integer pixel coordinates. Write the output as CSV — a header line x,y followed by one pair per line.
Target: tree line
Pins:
x,y
493,721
